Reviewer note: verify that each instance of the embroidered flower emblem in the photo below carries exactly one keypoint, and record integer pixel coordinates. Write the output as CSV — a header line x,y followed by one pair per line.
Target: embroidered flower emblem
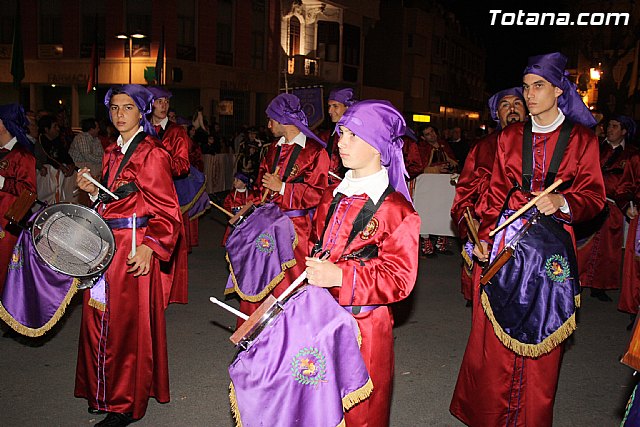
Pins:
x,y
16,258
294,170
370,229
309,366
265,243
557,268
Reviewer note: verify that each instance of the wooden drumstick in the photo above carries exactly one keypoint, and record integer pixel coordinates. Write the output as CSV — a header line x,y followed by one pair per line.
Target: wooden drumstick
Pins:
x,y
335,176
266,190
526,207
133,236
472,229
97,184
229,308
226,212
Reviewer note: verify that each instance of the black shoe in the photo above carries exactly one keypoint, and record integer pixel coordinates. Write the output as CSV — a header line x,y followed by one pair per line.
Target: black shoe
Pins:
x,y
94,411
633,321
601,295
115,419
444,251
469,303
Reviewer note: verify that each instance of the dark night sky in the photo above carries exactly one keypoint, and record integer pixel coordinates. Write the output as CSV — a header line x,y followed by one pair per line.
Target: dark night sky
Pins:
x,y
508,47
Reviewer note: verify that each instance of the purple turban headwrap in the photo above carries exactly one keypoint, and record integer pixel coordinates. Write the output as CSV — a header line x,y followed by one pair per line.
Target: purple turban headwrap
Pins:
x,y
286,110
159,92
142,97
494,101
14,119
551,66
343,96
242,177
380,125
627,124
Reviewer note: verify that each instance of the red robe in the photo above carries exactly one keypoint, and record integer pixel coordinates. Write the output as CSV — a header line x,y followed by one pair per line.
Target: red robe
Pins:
x,y
600,256
18,167
382,280
629,190
495,386
431,157
305,184
122,351
335,162
473,182
412,159
176,141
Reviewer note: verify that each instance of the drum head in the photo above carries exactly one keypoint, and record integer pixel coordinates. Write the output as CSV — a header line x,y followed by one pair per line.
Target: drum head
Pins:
x,y
73,240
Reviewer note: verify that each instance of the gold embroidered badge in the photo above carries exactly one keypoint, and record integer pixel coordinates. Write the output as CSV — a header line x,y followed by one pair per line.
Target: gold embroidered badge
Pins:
x,y
294,170
4,164
2,234
370,229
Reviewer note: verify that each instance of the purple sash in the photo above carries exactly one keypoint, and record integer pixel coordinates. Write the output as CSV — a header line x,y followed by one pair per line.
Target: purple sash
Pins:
x,y
532,299
34,296
637,241
192,194
632,412
259,251
304,369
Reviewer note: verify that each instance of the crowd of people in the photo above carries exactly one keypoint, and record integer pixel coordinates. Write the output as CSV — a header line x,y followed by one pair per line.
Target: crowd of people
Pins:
x,y
540,187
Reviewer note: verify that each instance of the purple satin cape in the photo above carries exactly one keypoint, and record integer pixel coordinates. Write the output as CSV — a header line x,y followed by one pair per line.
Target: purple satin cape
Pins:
x,y
192,194
259,250
637,242
632,412
304,369
532,298
34,296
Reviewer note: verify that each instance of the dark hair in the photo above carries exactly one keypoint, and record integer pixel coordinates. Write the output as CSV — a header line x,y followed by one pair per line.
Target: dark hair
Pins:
x,y
45,122
425,127
88,124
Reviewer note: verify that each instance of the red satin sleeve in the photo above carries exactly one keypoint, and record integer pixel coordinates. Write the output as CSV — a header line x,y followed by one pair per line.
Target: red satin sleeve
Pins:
x,y
22,175
159,195
314,179
412,159
629,185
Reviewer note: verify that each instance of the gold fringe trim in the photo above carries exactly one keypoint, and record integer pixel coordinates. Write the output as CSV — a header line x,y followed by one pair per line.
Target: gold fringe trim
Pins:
x,y
31,332
97,304
199,214
531,350
233,400
342,423
189,205
272,284
357,396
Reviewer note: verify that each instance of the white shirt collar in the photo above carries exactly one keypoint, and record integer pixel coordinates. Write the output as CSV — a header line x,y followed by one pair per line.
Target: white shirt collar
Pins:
x,y
372,185
300,139
9,145
622,144
124,146
164,122
241,190
536,128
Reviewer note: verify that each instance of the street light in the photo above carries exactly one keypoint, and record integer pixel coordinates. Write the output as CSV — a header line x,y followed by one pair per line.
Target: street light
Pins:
x,y
130,37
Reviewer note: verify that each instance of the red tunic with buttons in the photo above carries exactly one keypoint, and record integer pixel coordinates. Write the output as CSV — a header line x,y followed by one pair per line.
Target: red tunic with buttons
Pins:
x,y
629,191
473,181
379,281
122,351
18,167
600,255
175,140
303,189
496,386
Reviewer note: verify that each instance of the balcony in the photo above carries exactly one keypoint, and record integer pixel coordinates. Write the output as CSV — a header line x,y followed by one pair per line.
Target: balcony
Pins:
x,y
300,65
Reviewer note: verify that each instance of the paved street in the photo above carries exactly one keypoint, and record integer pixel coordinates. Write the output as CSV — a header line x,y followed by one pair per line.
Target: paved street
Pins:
x,y
37,375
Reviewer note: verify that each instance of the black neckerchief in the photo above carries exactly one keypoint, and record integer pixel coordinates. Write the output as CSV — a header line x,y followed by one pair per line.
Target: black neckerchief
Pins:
x,y
361,221
292,160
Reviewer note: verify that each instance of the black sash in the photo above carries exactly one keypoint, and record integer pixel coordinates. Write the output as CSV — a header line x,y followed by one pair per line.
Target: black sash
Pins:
x,y
361,221
128,188
292,160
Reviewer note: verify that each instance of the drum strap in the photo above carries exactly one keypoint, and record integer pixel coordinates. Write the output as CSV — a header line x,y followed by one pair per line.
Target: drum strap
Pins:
x,y
361,221
292,160
128,188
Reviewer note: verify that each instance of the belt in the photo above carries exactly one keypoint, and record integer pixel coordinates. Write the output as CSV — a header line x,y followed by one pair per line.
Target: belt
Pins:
x,y
357,309
296,213
117,223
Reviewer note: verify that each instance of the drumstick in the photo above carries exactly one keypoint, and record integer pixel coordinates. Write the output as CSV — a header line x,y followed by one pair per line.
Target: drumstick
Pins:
x,y
266,190
472,229
229,308
133,236
335,176
526,207
226,212
100,186
299,280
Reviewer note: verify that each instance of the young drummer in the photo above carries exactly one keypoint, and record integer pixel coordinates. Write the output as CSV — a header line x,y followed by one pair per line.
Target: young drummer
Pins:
x,y
237,198
368,227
